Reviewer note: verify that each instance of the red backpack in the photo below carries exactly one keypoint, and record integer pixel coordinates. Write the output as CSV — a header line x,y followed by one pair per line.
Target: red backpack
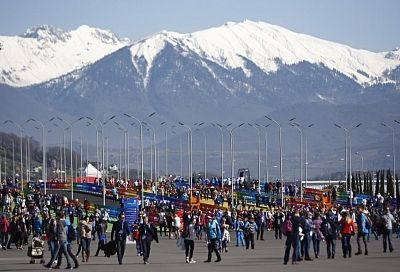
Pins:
x,y
287,227
4,225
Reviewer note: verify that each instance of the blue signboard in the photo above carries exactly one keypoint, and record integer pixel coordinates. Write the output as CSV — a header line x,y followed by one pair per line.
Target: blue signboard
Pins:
x,y
131,210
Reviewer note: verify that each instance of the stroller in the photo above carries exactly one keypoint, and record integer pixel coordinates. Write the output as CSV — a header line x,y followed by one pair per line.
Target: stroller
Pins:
x,y
36,250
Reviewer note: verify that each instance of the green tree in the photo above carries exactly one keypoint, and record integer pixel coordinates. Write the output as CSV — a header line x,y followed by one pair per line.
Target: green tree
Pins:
x,y
382,179
377,183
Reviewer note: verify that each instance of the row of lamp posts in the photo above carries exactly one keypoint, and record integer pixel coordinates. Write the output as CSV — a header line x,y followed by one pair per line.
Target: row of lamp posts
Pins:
x,y
98,124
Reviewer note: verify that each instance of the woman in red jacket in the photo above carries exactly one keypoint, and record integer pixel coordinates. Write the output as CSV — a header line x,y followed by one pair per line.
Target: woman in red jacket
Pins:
x,y
348,229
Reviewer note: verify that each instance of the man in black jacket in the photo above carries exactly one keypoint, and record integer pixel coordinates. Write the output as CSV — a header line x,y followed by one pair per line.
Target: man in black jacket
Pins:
x,y
147,233
292,239
119,232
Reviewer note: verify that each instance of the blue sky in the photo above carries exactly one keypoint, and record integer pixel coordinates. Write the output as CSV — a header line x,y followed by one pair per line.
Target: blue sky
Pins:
x,y
367,24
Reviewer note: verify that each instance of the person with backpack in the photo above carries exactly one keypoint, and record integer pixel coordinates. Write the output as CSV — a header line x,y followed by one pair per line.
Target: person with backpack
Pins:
x,y
71,236
362,230
101,228
61,244
239,228
250,229
317,235
291,228
213,232
329,230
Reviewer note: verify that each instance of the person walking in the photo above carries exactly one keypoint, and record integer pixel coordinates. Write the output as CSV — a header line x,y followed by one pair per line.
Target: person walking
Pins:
x,y
119,232
85,229
190,234
239,228
101,228
250,229
278,219
176,223
4,228
61,236
213,232
22,230
261,223
307,225
293,238
147,233
362,230
14,233
71,235
387,228
329,229
348,229
317,235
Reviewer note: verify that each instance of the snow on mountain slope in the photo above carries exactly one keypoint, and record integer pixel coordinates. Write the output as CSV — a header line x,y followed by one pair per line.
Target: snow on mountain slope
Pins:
x,y
262,43
394,54
46,52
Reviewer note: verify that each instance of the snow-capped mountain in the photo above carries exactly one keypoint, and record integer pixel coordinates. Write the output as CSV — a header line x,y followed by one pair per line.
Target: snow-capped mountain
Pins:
x,y
237,64
394,54
230,74
46,52
232,44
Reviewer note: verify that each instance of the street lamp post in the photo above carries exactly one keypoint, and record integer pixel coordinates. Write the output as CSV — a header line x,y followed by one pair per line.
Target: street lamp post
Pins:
x,y
44,174
231,141
348,143
302,130
166,149
21,166
266,155
102,151
306,157
126,136
141,149
280,157
97,150
204,153
393,149
69,126
153,151
256,127
220,127
190,156
301,157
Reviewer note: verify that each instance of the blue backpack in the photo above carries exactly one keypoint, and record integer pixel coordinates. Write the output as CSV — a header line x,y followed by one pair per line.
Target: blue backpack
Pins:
x,y
71,233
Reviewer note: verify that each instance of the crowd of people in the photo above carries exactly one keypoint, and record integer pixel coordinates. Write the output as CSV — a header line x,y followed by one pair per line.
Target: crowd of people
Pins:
x,y
53,218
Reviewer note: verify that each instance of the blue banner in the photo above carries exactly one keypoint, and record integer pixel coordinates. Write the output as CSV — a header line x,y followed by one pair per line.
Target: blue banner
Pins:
x,y
131,210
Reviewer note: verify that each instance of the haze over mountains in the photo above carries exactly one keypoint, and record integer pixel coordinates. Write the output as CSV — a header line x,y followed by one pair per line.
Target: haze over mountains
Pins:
x,y
234,73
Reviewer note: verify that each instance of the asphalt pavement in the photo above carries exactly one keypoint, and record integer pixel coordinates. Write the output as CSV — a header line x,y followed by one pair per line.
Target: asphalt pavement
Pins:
x,y
267,256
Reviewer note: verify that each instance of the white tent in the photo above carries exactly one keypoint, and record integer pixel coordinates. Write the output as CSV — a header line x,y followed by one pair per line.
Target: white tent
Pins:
x,y
91,171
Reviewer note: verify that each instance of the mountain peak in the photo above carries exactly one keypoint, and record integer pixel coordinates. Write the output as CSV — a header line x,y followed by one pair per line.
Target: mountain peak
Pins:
x,y
394,54
46,52
46,32
232,44
105,36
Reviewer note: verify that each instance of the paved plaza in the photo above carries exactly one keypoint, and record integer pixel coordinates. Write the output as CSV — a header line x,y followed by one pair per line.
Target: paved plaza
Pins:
x,y
268,256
